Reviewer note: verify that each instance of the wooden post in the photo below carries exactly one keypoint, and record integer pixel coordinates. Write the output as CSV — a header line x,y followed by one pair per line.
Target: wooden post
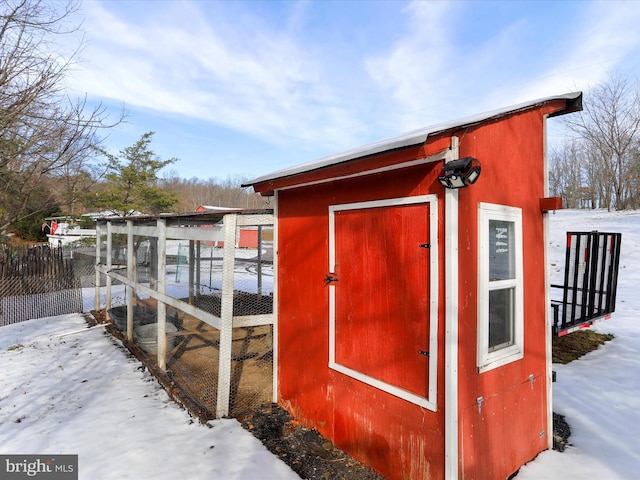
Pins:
x,y
226,316
259,267
97,263
197,268
153,263
109,264
191,271
161,282
131,276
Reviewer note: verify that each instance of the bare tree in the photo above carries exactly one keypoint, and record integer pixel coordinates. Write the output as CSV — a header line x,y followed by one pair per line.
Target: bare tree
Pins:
x,y
610,127
565,174
194,192
44,134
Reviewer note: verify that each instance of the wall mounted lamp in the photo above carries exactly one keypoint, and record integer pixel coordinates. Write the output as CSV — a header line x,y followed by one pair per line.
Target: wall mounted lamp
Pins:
x,y
460,173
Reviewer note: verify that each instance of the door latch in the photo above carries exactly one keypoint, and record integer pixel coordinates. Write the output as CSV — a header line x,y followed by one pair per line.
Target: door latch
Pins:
x,y
330,278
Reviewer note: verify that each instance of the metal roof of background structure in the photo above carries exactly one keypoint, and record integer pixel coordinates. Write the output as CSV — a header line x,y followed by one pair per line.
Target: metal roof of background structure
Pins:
x,y
416,137
190,217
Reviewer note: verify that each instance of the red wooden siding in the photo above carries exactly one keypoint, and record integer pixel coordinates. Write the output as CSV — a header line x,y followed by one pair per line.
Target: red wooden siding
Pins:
x,y
382,298
497,432
248,238
369,423
514,408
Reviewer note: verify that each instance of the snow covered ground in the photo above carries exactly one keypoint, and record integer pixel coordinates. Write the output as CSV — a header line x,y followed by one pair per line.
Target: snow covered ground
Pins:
x,y
80,394
65,389
600,393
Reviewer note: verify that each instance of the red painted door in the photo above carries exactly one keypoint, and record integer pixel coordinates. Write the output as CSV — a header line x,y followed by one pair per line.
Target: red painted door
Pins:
x,y
382,294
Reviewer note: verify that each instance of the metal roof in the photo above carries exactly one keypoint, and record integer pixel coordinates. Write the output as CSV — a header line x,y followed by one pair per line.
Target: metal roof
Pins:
x,y
191,217
416,137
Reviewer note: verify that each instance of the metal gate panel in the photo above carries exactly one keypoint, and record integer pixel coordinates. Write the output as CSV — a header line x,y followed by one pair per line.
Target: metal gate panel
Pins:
x,y
590,280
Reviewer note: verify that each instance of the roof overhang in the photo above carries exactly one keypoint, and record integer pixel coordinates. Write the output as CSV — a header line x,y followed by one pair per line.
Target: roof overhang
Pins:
x,y
573,103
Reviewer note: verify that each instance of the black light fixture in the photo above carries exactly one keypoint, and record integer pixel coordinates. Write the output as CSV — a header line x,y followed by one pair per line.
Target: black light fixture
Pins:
x,y
460,173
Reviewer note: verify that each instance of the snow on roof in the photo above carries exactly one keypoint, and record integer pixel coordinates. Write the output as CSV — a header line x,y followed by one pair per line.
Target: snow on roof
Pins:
x,y
416,137
214,208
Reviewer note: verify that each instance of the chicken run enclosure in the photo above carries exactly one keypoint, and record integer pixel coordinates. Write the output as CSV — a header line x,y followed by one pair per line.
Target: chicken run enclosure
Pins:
x,y
192,296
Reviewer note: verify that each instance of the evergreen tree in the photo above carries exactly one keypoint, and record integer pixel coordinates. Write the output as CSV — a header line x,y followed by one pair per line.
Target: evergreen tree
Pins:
x,y
131,183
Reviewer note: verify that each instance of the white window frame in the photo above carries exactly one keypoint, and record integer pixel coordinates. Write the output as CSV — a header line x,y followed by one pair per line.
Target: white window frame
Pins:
x,y
430,402
487,360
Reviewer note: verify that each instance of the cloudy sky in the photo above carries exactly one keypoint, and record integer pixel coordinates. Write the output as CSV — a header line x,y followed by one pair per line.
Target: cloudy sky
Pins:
x,y
243,88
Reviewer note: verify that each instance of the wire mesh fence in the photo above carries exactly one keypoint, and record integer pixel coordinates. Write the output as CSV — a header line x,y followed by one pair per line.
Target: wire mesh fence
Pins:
x,y
194,364
43,282
196,350
37,282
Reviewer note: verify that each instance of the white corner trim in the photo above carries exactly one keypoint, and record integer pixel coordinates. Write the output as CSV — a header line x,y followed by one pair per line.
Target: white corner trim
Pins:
x,y
547,292
274,336
451,444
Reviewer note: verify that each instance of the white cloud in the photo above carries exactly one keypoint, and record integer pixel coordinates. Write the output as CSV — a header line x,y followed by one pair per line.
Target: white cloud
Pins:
x,y
447,64
432,74
287,79
606,38
245,76
417,67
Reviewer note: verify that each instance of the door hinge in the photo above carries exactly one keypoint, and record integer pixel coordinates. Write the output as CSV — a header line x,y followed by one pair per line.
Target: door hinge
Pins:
x,y
423,352
425,245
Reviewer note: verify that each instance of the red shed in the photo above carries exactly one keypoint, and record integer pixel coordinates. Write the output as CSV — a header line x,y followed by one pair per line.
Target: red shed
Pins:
x,y
413,321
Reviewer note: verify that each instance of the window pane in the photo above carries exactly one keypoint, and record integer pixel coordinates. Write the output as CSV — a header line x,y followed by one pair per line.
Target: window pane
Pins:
x,y
501,250
501,318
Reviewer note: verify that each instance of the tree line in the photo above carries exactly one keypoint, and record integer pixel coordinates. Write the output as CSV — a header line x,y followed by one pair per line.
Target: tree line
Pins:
x,y
194,192
598,166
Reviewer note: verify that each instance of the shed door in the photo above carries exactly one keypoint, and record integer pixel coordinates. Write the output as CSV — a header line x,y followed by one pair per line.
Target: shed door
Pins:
x,y
381,296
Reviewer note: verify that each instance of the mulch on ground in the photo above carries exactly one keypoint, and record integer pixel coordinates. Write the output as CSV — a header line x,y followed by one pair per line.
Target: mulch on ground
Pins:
x,y
566,349
310,455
